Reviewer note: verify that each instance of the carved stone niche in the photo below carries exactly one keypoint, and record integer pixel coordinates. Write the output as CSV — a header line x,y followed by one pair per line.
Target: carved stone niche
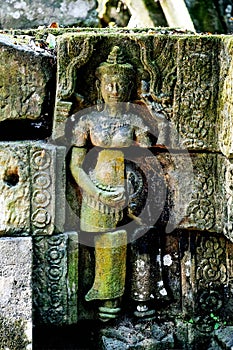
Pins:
x,y
180,75
32,188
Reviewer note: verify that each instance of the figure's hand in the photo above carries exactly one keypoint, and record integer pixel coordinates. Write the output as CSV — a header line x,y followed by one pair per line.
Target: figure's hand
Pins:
x,y
113,198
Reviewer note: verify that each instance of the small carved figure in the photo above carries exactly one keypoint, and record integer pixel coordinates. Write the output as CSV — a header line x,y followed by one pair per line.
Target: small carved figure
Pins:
x,y
103,188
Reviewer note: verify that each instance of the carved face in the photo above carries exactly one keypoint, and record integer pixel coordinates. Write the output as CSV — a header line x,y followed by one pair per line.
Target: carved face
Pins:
x,y
115,88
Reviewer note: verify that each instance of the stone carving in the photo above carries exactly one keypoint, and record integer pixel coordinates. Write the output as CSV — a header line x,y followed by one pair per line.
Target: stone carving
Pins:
x,y
202,206
32,188
211,275
56,278
66,88
196,92
112,127
15,289
15,189
26,96
225,171
143,277
210,267
225,102
47,199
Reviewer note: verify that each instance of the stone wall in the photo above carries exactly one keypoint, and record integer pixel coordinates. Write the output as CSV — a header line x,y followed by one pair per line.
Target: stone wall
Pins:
x,y
188,246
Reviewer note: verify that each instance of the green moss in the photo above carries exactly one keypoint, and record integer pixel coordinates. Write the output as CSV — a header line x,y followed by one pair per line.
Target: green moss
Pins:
x,y
12,334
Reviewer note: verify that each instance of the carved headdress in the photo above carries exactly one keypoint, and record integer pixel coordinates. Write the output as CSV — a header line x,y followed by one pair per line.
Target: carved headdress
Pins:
x,y
115,64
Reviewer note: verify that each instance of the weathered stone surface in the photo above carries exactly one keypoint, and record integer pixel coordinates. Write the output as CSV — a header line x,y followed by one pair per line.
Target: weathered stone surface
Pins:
x,y
199,192
15,293
225,104
224,337
26,14
14,188
139,336
196,92
224,202
193,191
48,188
32,188
181,74
26,90
55,277
205,281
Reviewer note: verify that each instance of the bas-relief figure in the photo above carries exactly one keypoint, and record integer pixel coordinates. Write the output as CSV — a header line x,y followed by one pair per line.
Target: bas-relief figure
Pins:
x,y
111,129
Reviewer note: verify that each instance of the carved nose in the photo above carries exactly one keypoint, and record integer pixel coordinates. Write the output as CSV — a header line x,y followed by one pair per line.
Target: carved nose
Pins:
x,y
114,89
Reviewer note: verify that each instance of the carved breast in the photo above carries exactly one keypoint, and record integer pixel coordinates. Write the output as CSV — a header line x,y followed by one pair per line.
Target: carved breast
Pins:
x,y
113,133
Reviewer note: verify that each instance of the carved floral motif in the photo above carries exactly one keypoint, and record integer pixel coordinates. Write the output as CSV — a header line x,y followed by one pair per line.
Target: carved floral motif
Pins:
x,y
202,207
210,257
41,196
50,279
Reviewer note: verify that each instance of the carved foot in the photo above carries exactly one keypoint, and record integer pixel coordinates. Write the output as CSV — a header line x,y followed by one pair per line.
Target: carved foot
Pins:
x,y
109,310
143,311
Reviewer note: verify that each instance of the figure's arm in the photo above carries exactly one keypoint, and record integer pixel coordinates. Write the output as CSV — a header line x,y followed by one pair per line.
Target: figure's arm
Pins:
x,y
80,176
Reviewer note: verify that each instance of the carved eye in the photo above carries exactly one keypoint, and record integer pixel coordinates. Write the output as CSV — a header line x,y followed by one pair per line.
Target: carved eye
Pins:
x,y
108,87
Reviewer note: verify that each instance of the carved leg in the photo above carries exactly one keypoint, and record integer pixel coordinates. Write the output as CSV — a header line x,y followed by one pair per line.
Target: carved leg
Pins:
x,y
142,279
110,270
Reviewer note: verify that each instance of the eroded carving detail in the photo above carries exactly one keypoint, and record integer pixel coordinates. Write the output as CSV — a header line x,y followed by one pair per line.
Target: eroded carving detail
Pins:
x,y
50,279
41,196
210,278
14,188
211,254
195,94
56,278
201,210
66,89
228,195
47,197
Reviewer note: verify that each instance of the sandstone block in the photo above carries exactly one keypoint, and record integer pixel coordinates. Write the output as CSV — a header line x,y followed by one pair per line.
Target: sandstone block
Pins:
x,y
26,90
56,278
48,188
16,293
32,188
176,81
14,188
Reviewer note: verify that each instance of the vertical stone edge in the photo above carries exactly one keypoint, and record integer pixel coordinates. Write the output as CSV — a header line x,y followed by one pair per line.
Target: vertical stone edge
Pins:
x,y
225,99
72,277
60,189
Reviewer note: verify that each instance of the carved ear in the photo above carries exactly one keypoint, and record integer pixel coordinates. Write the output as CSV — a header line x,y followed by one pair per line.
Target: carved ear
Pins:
x,y
99,96
131,85
97,84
